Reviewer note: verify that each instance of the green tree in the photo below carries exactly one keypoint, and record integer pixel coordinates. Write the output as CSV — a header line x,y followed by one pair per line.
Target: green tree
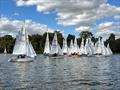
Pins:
x,y
86,34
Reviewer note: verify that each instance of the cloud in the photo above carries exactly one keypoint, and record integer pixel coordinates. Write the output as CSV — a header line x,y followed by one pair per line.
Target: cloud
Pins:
x,y
117,36
83,28
109,25
105,25
104,32
117,17
11,27
74,12
107,28
16,14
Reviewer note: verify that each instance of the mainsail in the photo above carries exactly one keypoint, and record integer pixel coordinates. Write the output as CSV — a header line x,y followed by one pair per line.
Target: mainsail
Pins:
x,y
65,48
82,48
109,50
87,46
47,45
60,52
91,45
5,51
54,46
21,43
71,48
75,46
104,49
98,47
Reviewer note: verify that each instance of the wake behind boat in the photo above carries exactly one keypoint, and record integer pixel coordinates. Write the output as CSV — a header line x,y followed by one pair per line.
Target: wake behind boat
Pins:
x,y
23,49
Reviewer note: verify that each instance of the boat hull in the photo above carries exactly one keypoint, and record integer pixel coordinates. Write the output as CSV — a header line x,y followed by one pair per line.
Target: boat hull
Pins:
x,y
25,59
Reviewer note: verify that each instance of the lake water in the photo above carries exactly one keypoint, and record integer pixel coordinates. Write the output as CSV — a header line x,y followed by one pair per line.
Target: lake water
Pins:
x,y
84,73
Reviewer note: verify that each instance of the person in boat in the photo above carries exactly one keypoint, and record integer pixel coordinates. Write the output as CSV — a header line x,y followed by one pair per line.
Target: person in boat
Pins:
x,y
21,56
55,54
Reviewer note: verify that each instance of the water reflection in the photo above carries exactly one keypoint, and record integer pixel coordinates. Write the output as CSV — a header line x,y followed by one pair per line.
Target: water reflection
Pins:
x,y
93,73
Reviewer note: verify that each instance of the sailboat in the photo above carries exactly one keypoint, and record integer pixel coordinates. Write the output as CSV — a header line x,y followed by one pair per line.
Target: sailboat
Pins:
x,y
101,49
5,51
87,46
98,47
47,46
75,48
55,48
23,49
91,45
109,50
65,48
83,49
70,50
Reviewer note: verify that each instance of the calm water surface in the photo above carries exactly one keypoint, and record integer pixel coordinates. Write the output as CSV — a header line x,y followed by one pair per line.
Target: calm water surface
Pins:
x,y
93,73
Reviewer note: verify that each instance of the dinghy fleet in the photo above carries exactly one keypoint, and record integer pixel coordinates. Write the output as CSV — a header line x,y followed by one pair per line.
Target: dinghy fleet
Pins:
x,y
24,52
86,49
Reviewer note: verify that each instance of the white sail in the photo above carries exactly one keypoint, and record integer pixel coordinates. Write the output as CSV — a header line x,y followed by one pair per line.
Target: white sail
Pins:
x,y
75,46
22,45
87,46
54,46
98,47
60,52
31,52
65,48
71,47
82,48
5,51
109,50
91,45
47,45
104,49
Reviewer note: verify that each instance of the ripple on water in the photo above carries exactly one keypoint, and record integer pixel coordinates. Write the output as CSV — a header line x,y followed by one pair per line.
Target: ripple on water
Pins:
x,y
93,73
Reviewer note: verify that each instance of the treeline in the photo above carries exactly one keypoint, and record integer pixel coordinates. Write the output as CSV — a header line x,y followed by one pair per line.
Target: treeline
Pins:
x,y
38,41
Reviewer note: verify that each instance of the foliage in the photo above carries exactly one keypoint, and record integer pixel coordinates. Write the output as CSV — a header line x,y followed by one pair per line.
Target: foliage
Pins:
x,y
38,41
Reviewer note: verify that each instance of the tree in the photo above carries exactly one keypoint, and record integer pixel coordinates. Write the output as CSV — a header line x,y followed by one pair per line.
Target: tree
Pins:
x,y
86,34
112,37
69,38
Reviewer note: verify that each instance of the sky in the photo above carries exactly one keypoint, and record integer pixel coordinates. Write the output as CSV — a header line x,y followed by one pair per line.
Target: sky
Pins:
x,y
101,17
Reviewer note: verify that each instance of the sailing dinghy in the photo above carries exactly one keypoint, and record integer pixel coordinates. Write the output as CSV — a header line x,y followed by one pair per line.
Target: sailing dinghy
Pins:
x,y
5,51
55,50
65,48
47,46
23,49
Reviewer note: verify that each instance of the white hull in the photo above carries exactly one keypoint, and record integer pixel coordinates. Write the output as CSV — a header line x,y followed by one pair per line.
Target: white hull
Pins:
x,y
25,59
